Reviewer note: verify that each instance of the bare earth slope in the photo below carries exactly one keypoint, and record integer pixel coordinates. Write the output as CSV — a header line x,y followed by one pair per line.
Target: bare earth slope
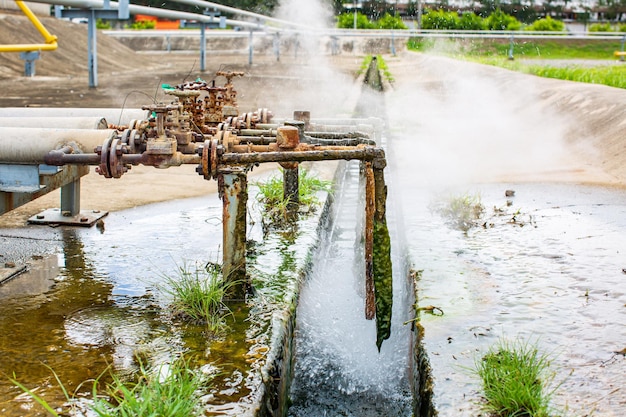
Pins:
x,y
70,58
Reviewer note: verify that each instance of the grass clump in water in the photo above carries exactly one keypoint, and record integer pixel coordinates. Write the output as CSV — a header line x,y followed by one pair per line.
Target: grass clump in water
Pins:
x,y
171,390
514,380
198,296
461,212
277,206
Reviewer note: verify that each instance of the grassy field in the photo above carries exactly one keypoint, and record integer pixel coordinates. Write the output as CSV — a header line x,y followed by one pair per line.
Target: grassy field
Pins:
x,y
581,60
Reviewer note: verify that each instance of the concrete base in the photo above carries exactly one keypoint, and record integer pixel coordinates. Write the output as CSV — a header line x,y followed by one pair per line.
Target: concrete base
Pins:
x,y
85,218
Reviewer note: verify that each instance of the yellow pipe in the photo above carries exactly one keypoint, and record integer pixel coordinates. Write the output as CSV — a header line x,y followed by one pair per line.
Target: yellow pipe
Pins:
x,y
51,40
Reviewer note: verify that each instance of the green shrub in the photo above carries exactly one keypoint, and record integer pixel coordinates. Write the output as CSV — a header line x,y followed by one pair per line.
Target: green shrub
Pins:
x,y
600,27
143,25
346,21
471,21
103,24
622,27
390,22
440,20
547,25
498,20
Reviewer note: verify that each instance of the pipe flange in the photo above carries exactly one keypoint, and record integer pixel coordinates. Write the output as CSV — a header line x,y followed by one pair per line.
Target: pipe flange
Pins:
x,y
125,136
116,167
103,151
204,168
132,143
214,144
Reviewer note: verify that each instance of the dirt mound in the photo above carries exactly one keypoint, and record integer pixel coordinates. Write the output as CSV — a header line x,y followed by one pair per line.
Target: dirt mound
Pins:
x,y
70,58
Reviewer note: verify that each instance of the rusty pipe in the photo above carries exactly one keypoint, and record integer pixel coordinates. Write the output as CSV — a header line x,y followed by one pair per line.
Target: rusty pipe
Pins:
x,y
370,208
62,157
162,161
339,142
258,132
364,154
24,145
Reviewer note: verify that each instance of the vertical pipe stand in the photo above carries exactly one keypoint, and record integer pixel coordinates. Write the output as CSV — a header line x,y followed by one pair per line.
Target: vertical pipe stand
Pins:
x,y
29,62
234,200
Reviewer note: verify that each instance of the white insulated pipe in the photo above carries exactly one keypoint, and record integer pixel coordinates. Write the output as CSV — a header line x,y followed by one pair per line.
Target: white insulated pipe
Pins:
x,y
111,115
55,122
27,145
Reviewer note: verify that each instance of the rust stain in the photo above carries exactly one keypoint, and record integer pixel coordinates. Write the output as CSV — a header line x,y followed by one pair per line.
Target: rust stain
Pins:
x,y
370,206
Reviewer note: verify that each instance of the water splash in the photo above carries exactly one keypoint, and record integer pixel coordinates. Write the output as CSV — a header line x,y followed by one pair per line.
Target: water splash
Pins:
x,y
338,366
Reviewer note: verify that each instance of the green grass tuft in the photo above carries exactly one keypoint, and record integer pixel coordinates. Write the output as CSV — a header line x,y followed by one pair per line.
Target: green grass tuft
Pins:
x,y
170,390
461,212
514,380
272,198
382,67
198,296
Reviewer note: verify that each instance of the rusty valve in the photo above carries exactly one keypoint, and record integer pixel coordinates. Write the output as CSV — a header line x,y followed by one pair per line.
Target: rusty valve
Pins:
x,y
287,139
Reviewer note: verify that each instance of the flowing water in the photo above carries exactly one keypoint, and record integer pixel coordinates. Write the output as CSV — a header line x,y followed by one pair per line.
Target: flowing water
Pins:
x,y
339,371
544,267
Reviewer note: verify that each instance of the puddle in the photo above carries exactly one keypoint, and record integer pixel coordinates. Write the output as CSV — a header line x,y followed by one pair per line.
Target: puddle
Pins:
x,y
95,304
553,277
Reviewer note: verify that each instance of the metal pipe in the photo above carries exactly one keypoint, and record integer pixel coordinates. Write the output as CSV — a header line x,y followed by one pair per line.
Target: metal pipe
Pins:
x,y
118,116
259,17
150,11
30,145
370,299
339,142
365,154
51,40
55,122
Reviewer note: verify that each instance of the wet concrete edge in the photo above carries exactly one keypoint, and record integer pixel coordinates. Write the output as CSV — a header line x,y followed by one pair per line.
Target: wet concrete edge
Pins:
x,y
272,397
421,371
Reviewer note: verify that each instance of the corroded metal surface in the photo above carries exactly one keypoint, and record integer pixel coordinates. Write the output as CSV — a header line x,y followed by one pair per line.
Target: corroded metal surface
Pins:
x,y
370,300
